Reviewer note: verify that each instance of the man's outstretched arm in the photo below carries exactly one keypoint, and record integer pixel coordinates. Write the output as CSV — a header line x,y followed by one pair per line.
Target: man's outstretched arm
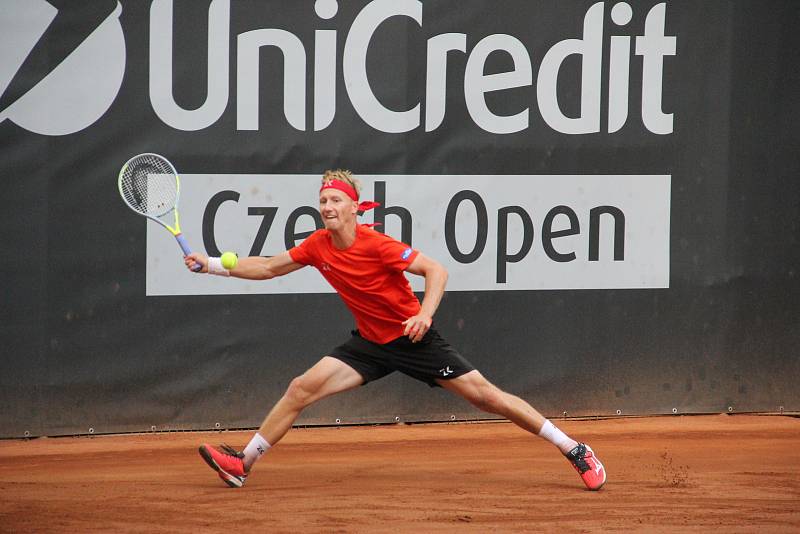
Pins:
x,y
252,267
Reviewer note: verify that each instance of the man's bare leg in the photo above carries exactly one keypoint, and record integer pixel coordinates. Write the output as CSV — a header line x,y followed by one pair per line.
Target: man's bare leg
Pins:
x,y
487,397
327,377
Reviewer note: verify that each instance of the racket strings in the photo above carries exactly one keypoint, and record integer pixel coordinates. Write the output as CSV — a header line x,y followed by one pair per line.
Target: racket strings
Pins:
x,y
149,185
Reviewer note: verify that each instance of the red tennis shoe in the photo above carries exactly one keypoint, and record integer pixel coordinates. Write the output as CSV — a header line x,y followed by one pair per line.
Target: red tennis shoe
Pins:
x,y
228,464
588,466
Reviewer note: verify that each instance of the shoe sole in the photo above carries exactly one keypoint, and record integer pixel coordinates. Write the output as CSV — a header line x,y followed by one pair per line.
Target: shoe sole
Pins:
x,y
229,479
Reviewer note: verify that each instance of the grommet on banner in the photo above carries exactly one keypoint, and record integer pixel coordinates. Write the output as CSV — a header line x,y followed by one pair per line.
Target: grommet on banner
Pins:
x,y
565,413
730,409
217,426
338,421
396,419
619,412
91,430
453,417
27,433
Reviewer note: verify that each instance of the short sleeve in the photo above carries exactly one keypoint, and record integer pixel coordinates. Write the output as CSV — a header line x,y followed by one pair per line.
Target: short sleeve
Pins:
x,y
306,253
396,255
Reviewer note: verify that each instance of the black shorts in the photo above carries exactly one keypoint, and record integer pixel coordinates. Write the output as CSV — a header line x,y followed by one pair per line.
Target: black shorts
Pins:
x,y
429,359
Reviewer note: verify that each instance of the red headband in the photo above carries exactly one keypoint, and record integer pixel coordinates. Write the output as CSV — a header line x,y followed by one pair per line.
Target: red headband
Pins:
x,y
344,187
350,191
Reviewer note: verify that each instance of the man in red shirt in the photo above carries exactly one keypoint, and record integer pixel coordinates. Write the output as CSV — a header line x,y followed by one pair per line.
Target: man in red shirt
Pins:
x,y
394,331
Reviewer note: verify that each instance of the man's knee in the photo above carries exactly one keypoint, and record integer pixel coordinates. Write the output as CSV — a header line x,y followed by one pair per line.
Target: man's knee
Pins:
x,y
488,398
300,391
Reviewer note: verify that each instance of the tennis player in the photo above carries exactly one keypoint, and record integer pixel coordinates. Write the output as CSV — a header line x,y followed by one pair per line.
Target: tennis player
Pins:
x,y
394,331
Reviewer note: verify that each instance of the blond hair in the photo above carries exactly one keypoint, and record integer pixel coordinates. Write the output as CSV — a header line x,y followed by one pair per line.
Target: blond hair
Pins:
x,y
342,175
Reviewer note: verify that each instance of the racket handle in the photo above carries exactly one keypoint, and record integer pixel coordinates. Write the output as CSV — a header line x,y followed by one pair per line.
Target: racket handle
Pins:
x,y
186,250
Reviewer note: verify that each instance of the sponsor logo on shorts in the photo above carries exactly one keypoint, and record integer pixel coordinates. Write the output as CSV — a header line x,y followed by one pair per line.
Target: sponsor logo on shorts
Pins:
x,y
406,253
446,371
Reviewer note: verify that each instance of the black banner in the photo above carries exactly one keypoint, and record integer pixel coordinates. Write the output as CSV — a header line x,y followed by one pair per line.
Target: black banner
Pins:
x,y
704,93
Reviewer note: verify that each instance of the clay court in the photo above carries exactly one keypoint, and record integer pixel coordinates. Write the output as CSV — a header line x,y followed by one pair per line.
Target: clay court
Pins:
x,y
737,473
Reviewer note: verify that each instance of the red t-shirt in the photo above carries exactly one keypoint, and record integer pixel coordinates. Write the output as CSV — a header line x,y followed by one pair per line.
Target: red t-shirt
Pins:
x,y
369,278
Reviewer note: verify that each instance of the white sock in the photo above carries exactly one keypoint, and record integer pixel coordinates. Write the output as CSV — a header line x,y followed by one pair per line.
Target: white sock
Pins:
x,y
555,436
257,446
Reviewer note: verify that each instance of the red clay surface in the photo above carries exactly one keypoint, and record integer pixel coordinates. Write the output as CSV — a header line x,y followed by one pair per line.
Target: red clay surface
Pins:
x,y
666,474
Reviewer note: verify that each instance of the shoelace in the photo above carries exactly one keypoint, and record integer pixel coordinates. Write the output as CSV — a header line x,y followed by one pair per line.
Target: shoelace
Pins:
x,y
230,450
578,457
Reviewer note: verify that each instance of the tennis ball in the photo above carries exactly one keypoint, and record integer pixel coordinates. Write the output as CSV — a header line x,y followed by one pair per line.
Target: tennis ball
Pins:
x,y
229,260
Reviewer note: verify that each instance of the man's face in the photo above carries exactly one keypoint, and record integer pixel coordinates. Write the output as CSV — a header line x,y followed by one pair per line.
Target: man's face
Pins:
x,y
337,209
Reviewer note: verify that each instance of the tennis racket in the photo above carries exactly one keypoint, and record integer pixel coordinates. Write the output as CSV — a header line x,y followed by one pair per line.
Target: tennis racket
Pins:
x,y
150,186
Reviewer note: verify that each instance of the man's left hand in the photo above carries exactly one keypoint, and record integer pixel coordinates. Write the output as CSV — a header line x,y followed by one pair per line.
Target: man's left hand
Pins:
x,y
417,326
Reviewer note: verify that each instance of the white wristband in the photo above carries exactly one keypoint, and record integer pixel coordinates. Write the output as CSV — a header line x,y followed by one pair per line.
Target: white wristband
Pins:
x,y
215,267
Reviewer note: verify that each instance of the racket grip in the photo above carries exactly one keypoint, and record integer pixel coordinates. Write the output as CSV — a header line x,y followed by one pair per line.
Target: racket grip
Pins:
x,y
186,250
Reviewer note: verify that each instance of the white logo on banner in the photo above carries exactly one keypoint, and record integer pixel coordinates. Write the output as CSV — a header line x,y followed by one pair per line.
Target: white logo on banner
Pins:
x,y
83,87
76,92
515,232
653,46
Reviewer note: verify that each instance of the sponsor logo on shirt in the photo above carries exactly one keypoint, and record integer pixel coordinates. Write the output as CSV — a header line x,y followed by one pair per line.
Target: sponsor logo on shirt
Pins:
x,y
406,253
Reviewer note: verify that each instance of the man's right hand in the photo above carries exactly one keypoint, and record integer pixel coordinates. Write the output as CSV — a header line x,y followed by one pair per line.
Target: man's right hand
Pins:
x,y
196,259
